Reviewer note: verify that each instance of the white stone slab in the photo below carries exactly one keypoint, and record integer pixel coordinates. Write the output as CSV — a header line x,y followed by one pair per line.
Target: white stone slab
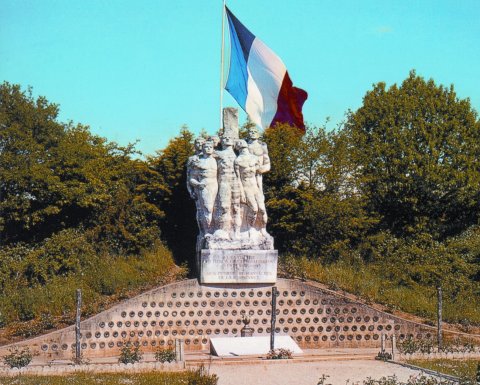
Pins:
x,y
246,346
238,266
230,122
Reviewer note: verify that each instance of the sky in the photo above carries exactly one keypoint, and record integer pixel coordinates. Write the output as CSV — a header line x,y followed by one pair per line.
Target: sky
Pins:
x,y
139,70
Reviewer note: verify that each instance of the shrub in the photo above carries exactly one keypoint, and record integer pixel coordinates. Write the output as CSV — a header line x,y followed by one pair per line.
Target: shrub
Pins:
x,y
447,347
80,360
33,300
322,380
426,346
383,356
2,320
202,377
130,353
165,355
279,354
408,346
25,305
18,358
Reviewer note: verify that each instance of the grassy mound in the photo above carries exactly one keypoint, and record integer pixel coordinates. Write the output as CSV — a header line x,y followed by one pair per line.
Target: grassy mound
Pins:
x,y
375,283
39,283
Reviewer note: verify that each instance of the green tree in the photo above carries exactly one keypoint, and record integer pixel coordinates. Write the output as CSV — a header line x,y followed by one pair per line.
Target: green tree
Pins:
x,y
55,176
72,205
284,143
129,220
179,227
29,188
418,152
282,199
313,202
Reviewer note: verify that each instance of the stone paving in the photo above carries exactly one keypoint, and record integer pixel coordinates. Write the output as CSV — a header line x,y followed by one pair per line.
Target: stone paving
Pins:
x,y
307,373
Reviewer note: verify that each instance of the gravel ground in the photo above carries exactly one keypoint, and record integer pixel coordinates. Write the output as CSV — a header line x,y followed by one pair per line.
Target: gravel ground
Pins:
x,y
307,373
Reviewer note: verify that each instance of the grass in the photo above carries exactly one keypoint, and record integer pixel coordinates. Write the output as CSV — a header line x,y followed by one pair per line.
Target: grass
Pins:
x,y
198,377
35,309
458,368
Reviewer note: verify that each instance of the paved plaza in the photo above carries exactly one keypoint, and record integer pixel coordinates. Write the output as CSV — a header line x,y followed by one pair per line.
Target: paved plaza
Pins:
x,y
307,373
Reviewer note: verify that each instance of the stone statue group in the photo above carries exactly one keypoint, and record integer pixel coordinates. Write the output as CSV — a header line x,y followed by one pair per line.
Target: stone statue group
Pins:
x,y
224,177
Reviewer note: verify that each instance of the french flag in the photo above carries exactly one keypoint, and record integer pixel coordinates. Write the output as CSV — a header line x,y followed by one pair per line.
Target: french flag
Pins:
x,y
259,82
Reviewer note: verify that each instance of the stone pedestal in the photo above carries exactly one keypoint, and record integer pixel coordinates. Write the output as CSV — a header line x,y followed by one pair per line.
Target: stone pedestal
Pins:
x,y
246,332
238,266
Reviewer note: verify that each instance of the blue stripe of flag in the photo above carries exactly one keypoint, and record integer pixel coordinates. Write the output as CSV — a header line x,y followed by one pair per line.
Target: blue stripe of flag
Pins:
x,y
241,41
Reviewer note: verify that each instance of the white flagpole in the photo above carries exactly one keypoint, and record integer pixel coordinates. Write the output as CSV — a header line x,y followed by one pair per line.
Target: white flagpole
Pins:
x,y
221,63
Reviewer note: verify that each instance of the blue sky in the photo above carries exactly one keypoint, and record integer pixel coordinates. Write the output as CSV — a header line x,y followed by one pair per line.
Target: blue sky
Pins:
x,y
141,69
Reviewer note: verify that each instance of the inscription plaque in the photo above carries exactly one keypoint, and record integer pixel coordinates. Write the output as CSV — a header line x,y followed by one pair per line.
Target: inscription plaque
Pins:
x,y
238,266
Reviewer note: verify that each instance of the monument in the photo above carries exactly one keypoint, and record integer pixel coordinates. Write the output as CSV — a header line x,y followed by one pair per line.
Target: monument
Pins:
x,y
224,177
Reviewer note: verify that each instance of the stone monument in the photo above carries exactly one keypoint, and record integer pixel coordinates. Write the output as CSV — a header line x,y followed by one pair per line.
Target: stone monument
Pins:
x,y
225,179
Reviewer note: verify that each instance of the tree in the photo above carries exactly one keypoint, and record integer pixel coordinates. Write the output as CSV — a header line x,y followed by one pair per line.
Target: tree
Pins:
x,y
179,227
417,147
55,176
284,145
29,188
311,194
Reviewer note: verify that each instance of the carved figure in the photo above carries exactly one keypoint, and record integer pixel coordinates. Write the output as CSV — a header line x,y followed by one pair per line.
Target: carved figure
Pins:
x,y
204,184
228,202
228,191
192,174
216,141
246,167
261,151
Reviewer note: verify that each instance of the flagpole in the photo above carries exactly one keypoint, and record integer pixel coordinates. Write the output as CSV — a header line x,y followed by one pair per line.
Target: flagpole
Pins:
x,y
221,62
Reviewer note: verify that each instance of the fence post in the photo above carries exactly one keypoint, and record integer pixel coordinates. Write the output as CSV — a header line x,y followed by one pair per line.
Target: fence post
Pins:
x,y
439,317
78,353
394,346
274,317
179,350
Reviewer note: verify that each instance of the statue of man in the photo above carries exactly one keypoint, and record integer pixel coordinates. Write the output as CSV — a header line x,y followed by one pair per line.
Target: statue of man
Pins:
x,y
261,151
246,167
216,141
192,174
198,144
205,186
228,207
